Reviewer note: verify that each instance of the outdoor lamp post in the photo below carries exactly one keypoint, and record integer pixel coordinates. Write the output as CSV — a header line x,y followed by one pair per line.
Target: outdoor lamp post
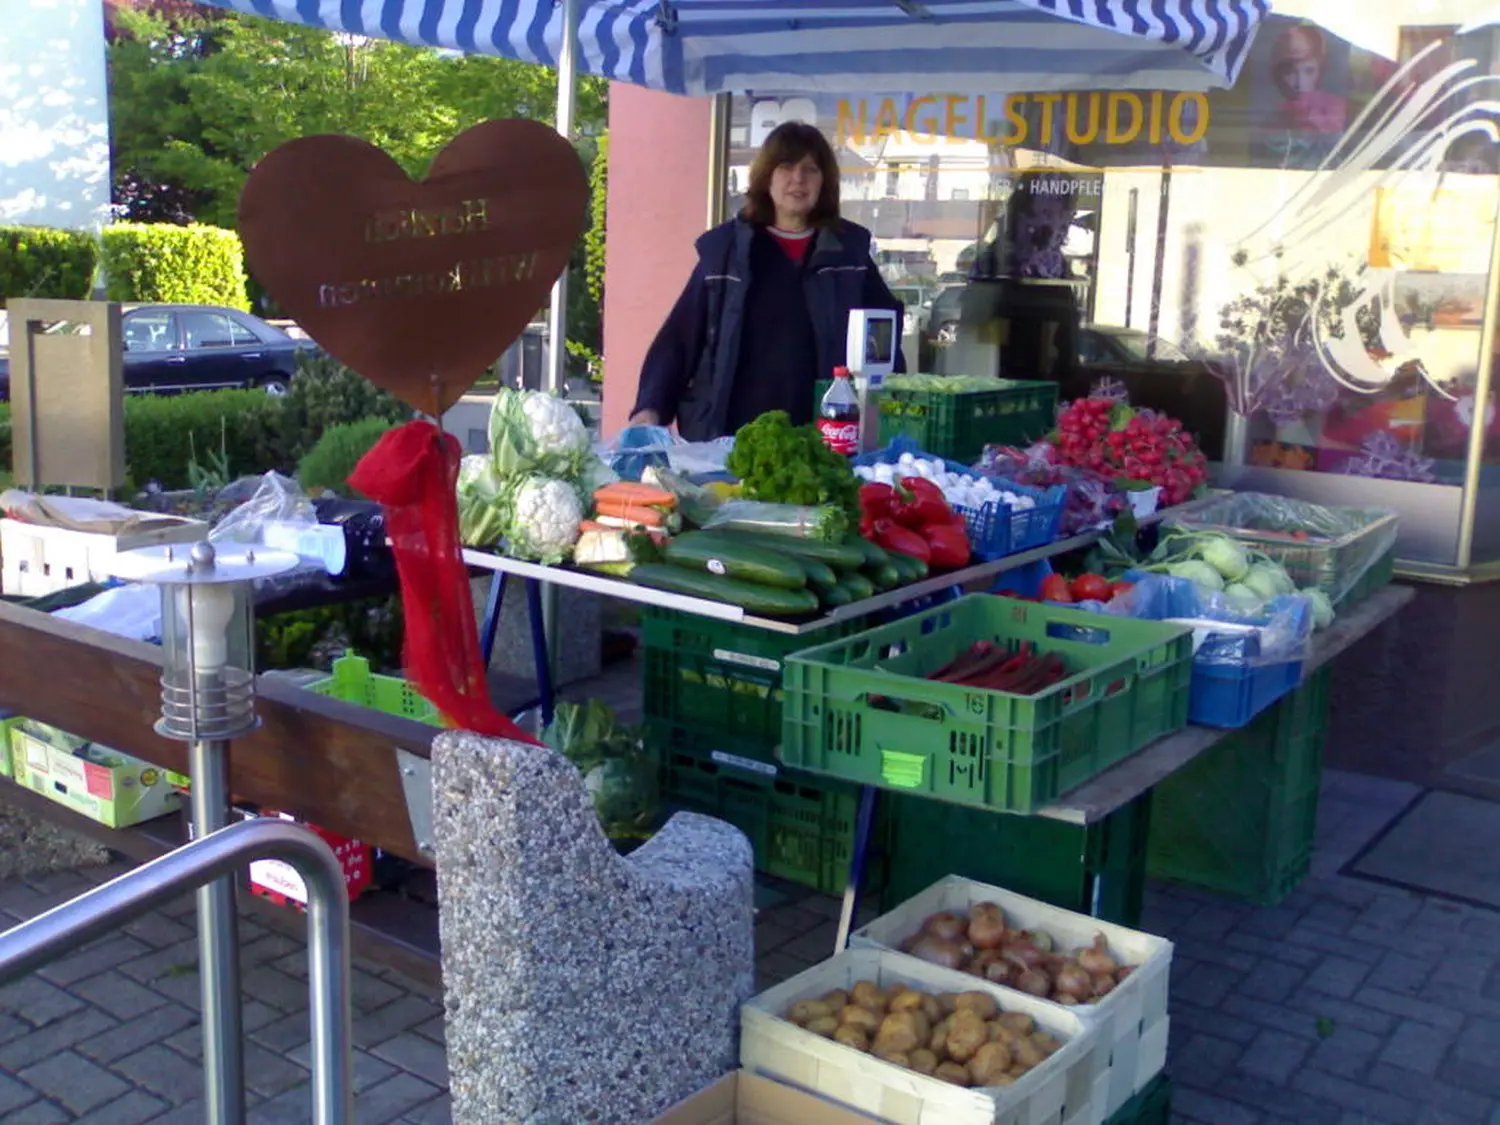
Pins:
x,y
208,698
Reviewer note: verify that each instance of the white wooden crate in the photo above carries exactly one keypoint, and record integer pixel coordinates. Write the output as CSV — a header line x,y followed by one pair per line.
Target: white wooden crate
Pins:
x,y
1132,1019
1061,1091
37,560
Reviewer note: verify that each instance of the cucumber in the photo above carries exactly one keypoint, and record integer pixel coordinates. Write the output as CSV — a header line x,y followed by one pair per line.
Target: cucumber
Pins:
x,y
885,576
858,585
770,601
820,576
722,557
839,556
835,596
874,556
915,568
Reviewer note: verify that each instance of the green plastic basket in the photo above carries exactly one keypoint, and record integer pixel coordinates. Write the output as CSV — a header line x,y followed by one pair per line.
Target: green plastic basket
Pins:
x,y
801,827
1240,820
1152,1106
959,426
353,682
860,709
719,679
1097,869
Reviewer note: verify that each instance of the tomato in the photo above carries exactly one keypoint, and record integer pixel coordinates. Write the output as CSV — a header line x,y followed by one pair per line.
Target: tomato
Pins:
x,y
1090,588
1120,589
1055,588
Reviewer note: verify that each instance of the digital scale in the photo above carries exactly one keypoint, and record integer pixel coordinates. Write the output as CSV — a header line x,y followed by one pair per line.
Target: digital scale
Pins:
x,y
870,355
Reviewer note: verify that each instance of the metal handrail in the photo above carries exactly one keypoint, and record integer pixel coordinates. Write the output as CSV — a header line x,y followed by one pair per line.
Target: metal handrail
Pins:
x,y
33,944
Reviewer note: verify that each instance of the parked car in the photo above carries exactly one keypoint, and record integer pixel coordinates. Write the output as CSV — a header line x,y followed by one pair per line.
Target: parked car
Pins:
x,y
944,313
917,299
172,348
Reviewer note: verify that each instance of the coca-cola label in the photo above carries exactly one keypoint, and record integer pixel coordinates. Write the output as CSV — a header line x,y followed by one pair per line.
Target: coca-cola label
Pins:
x,y
840,436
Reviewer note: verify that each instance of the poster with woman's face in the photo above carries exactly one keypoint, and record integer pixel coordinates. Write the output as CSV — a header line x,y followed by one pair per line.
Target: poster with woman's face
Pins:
x,y
1300,88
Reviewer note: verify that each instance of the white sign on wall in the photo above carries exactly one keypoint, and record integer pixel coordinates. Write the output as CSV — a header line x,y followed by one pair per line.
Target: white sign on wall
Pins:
x,y
766,115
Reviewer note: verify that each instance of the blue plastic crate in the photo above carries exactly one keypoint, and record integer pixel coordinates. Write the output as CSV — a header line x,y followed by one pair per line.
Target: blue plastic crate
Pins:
x,y
1226,696
995,531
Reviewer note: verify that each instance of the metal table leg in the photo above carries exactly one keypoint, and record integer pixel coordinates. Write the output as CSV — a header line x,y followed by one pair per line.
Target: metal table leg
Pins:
x,y
540,653
491,624
864,829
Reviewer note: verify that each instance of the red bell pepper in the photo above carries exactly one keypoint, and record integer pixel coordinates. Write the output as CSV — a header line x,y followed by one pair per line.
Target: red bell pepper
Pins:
x,y
926,505
948,546
891,536
875,499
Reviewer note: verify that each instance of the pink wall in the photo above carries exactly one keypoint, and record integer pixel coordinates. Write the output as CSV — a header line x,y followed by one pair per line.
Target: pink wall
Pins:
x,y
658,204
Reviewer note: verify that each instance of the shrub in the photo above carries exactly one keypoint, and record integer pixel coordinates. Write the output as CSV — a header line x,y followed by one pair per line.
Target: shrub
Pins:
x,y
165,434
191,265
44,262
7,456
329,462
325,393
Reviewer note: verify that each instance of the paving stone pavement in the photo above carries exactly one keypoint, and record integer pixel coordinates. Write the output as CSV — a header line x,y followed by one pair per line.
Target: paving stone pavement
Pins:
x,y
1349,1004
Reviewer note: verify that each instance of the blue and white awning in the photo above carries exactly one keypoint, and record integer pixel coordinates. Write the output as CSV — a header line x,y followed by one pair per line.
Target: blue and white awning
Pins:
x,y
701,47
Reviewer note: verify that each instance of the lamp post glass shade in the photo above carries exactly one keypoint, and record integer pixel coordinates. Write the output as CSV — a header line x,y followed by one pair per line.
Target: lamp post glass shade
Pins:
x,y
207,633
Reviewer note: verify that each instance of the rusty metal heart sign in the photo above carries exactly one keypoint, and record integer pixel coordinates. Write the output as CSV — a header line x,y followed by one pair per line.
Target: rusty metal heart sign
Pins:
x,y
417,285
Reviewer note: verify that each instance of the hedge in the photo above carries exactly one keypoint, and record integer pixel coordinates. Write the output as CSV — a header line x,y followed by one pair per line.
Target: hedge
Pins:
x,y
45,262
191,265
165,434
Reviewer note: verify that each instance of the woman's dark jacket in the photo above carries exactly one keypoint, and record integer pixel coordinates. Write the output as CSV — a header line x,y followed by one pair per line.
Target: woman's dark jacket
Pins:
x,y
753,331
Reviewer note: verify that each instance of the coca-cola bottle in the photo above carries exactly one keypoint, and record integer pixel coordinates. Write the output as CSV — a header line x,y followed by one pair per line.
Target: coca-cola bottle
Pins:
x,y
838,416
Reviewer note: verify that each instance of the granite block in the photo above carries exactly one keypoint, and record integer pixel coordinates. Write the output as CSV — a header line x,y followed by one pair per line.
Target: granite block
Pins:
x,y
32,846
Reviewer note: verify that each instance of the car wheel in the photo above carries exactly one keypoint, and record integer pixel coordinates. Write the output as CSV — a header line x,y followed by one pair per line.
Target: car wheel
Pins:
x,y
274,385
947,334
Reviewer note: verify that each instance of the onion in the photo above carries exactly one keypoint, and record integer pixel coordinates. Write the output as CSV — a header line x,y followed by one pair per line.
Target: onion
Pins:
x,y
1066,999
1074,981
939,951
1104,984
944,925
1000,972
986,926
1041,940
1096,958
1034,982
1124,971
1023,952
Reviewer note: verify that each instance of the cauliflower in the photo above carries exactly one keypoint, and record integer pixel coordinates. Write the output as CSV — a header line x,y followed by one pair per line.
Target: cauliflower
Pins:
x,y
542,519
479,509
533,432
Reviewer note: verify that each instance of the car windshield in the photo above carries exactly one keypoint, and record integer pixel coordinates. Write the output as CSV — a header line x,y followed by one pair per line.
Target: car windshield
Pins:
x,y
1137,348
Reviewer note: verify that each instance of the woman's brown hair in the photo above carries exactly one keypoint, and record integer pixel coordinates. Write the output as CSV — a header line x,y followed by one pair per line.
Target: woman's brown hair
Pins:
x,y
789,143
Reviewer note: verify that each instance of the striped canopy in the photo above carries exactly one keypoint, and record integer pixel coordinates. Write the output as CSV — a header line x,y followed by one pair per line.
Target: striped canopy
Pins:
x,y
699,47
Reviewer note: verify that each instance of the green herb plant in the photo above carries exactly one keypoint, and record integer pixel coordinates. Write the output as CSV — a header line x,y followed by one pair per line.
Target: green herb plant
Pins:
x,y
785,464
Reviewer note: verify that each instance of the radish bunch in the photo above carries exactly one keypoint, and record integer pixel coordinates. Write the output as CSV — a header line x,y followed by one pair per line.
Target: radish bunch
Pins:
x,y
1140,446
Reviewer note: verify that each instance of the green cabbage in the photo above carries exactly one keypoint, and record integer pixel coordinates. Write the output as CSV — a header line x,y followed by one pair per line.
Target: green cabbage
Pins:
x,y
1198,571
1227,557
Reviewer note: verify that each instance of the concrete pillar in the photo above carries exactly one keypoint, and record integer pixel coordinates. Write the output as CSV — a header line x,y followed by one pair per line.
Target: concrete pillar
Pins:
x,y
580,986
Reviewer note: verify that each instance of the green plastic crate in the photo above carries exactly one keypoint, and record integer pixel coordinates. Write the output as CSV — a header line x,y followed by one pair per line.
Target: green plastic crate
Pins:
x,y
1240,819
720,679
353,682
1097,869
859,708
1152,1106
1372,581
801,827
959,426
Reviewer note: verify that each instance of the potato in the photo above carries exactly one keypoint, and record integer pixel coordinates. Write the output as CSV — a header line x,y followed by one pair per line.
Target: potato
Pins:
x,y
862,1018
899,1058
965,1036
805,1011
931,1009
999,1033
1028,1053
938,1044
902,1031
897,989
1049,1044
824,1026
952,1072
852,1037
866,994
922,1061
947,1002
982,1004
988,1063
907,1001
1019,1022
835,999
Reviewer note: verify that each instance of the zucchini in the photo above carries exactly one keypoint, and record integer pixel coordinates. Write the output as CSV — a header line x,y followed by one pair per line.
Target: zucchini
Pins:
x,y
820,576
915,567
835,596
885,577
769,601
725,558
839,556
874,556
858,585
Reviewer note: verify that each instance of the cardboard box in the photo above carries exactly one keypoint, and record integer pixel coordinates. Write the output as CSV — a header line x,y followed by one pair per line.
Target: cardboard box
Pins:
x,y
743,1098
95,781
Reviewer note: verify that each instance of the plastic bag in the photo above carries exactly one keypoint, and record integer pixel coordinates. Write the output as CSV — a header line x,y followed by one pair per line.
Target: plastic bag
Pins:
x,y
1222,634
1092,500
827,524
280,516
1337,546
696,503
637,448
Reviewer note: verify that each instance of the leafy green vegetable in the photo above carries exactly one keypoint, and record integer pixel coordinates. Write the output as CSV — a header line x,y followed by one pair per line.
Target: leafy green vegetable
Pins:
x,y
785,464
481,513
618,773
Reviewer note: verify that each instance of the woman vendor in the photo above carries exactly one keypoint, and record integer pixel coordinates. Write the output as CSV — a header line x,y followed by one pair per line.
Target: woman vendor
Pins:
x,y
765,313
